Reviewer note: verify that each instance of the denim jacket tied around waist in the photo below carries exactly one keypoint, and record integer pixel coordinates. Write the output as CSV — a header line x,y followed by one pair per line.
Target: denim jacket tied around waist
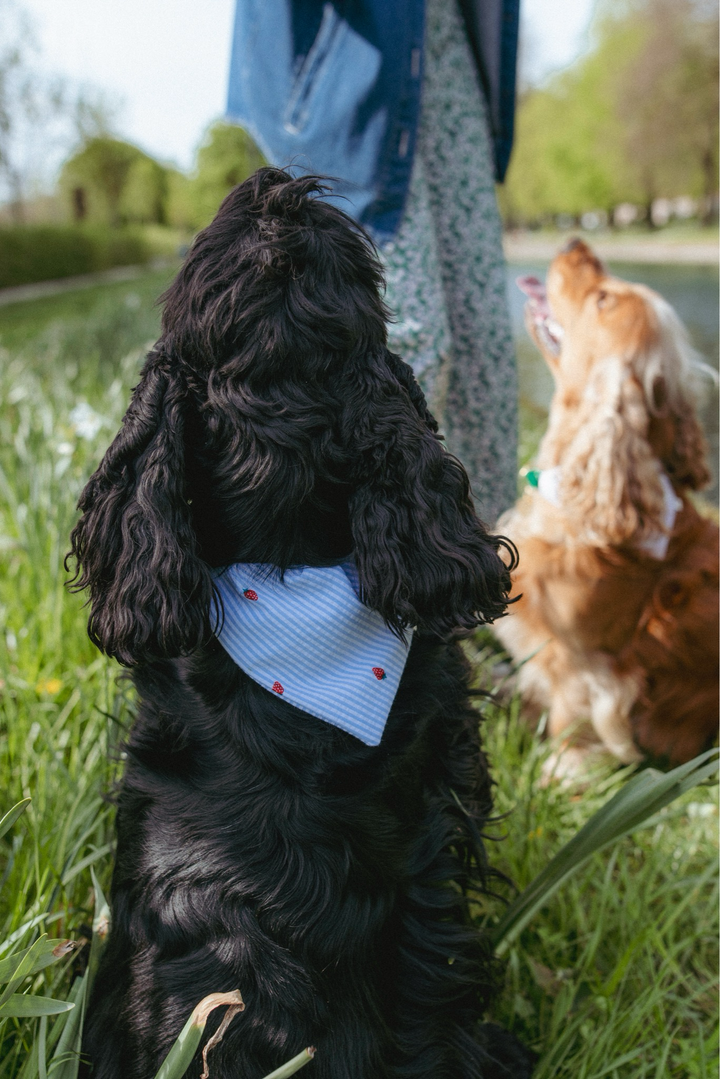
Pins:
x,y
334,88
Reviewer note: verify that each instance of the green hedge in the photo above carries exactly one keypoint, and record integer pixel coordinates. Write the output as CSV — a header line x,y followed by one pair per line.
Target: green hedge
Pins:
x,y
46,252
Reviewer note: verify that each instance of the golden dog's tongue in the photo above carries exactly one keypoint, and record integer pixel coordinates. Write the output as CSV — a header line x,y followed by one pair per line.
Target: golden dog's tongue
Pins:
x,y
547,329
534,290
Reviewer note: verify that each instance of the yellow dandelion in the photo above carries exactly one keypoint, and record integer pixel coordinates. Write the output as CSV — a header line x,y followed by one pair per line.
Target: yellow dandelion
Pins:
x,y
49,685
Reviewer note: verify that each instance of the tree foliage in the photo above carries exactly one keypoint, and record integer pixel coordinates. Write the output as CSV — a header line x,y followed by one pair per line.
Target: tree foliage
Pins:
x,y
226,157
112,182
667,98
29,104
144,195
633,119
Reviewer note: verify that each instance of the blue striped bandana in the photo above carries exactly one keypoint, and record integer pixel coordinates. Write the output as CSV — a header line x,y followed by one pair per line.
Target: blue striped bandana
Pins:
x,y
310,640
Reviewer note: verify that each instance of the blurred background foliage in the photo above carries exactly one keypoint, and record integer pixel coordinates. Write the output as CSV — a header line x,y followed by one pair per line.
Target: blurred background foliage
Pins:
x,y
115,205
632,121
112,182
227,156
109,203
625,136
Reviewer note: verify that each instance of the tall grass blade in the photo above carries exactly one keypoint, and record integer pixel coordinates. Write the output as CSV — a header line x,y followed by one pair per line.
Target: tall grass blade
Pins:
x,y
12,815
633,806
65,1061
100,928
36,1066
45,953
179,1058
66,1058
293,1065
31,960
41,1042
24,1006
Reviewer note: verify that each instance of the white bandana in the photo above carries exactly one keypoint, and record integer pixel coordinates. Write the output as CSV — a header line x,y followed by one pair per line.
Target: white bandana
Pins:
x,y
310,640
656,544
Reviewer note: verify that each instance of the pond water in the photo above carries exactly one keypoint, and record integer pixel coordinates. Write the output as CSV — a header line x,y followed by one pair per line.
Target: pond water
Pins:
x,y
692,291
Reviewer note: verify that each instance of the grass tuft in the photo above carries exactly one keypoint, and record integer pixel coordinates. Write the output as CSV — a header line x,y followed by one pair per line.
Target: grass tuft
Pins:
x,y
615,976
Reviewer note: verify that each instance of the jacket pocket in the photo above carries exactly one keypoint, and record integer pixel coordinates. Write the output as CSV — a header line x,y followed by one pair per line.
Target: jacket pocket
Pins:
x,y
298,106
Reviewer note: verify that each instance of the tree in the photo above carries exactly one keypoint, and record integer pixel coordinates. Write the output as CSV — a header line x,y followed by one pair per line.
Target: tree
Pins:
x,y
144,195
556,167
569,144
226,157
634,118
41,116
667,96
179,208
28,105
698,85
112,182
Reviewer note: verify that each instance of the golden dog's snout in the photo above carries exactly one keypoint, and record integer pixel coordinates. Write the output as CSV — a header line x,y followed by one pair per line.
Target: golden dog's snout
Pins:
x,y
572,243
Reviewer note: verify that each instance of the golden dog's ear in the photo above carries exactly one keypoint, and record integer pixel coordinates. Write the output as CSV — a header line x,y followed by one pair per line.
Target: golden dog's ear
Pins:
x,y
610,478
671,374
686,461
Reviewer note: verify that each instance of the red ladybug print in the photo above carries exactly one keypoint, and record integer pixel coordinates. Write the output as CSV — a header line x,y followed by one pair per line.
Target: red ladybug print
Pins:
x,y
250,594
277,688
379,673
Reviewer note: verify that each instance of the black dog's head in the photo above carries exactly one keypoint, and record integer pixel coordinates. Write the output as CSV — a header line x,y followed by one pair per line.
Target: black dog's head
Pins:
x,y
271,424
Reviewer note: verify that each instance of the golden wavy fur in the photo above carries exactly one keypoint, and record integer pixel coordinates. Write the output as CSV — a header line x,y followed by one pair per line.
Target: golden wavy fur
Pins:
x,y
609,633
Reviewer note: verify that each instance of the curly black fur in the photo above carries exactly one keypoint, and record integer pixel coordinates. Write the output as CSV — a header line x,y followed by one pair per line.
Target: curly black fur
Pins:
x,y
260,848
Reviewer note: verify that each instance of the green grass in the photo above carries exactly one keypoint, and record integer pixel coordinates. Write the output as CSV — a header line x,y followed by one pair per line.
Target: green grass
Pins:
x,y
62,710
94,312
616,977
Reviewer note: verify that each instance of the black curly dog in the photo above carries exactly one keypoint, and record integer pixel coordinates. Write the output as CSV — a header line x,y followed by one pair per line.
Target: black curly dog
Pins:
x,y
260,848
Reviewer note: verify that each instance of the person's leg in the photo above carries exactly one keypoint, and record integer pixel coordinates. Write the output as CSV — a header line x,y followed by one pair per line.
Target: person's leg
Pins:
x,y
481,412
420,334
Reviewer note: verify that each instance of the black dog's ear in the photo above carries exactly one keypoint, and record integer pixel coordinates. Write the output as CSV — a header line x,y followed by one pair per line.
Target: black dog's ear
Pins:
x,y
424,557
134,546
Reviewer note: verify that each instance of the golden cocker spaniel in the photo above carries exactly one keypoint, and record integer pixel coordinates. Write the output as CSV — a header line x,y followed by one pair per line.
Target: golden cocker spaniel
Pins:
x,y
617,623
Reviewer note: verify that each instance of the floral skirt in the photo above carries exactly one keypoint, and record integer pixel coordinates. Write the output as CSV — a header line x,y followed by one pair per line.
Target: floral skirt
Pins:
x,y
446,274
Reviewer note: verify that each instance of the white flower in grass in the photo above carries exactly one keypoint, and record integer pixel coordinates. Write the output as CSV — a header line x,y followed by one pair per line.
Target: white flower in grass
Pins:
x,y
64,450
61,466
86,421
701,809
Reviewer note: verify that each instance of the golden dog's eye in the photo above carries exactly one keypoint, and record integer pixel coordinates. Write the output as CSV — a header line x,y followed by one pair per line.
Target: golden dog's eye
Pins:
x,y
602,297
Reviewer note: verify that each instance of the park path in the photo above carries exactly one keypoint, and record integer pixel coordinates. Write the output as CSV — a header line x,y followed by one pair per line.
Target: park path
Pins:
x,y
529,247
518,246
40,289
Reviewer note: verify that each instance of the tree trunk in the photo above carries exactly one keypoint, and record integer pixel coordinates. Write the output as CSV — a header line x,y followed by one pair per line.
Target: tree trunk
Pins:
x,y
709,212
17,202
